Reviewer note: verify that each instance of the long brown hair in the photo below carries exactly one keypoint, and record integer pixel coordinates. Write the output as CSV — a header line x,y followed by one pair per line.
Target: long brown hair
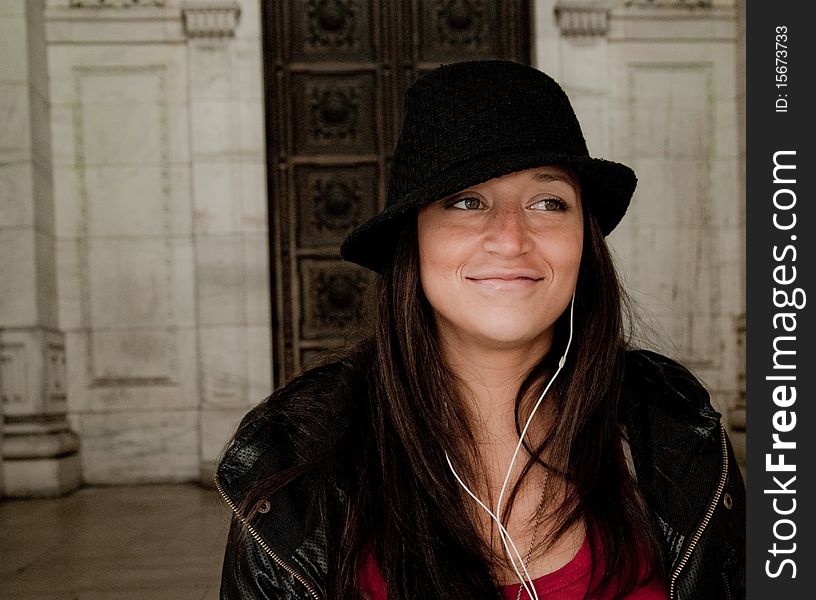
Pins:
x,y
408,508
401,500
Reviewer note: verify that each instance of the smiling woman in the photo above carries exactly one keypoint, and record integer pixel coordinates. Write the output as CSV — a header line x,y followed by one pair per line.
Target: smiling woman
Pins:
x,y
494,436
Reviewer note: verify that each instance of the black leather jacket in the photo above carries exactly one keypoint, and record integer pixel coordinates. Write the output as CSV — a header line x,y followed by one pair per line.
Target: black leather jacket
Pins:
x,y
681,454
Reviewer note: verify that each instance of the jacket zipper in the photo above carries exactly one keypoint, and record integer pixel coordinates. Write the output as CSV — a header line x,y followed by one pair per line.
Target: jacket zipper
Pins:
x,y
262,543
706,518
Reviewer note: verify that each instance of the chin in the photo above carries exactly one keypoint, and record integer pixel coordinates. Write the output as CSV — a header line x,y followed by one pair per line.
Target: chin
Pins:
x,y
508,334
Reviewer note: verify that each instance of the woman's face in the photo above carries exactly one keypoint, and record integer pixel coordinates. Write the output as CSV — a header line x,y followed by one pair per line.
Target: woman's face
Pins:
x,y
499,260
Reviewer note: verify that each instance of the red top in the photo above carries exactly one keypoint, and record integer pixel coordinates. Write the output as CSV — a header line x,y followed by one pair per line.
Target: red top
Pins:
x,y
570,582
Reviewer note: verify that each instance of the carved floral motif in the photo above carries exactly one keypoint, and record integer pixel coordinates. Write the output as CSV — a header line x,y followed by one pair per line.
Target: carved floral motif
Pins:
x,y
461,23
333,112
330,24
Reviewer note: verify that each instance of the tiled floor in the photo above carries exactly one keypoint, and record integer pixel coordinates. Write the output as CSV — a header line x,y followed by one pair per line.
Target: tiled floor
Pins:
x,y
129,543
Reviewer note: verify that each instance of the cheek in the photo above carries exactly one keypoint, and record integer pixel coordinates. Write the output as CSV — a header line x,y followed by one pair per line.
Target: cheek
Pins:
x,y
575,253
561,251
430,251
440,248
435,265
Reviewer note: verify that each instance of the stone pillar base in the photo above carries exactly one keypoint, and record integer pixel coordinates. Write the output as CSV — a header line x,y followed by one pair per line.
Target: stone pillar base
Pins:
x,y
41,477
40,459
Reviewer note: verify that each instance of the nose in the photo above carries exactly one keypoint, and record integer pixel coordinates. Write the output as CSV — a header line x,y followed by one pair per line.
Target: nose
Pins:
x,y
507,232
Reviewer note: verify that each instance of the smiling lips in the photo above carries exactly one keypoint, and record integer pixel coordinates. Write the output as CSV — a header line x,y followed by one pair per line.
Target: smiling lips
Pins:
x,y
506,281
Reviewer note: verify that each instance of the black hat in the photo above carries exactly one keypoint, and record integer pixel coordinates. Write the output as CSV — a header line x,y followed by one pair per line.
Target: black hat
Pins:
x,y
468,122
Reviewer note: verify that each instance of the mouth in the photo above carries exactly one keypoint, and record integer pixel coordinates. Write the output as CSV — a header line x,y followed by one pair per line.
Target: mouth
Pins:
x,y
506,283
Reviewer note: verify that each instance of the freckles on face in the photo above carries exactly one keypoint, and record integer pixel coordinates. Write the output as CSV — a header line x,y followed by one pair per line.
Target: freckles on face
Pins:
x,y
499,261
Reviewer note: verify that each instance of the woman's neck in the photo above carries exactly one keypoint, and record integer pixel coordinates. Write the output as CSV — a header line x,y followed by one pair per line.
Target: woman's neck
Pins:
x,y
492,377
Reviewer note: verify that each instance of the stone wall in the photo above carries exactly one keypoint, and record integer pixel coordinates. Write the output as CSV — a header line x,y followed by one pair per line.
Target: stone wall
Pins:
x,y
161,223
133,219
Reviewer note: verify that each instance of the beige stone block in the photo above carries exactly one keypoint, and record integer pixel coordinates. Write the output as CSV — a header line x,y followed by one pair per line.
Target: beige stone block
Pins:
x,y
216,196
37,49
180,391
132,357
13,8
546,38
64,141
68,283
726,82
13,47
726,128
128,282
592,114
211,72
218,425
215,128
247,53
726,196
180,201
223,366
152,446
76,374
67,61
251,115
584,66
128,391
61,85
43,189
46,280
15,122
730,257
127,200
184,283
41,477
16,195
259,363
179,150
40,129
221,280
672,113
122,85
675,191
122,135
720,26
254,208
256,279
188,392
18,294
69,219
249,23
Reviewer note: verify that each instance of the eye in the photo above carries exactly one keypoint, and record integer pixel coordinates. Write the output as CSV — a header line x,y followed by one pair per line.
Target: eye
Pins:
x,y
467,203
549,204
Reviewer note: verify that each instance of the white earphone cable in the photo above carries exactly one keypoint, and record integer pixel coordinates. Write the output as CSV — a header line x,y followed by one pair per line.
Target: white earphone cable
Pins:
x,y
505,536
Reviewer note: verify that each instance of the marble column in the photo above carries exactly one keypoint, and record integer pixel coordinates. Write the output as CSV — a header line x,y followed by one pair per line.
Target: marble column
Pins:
x,y
40,451
230,225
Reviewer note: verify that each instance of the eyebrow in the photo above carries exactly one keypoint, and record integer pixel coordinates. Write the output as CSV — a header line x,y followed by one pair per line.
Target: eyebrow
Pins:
x,y
545,177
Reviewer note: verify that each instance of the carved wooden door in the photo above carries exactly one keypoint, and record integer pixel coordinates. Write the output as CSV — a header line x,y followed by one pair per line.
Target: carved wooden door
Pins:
x,y
335,74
